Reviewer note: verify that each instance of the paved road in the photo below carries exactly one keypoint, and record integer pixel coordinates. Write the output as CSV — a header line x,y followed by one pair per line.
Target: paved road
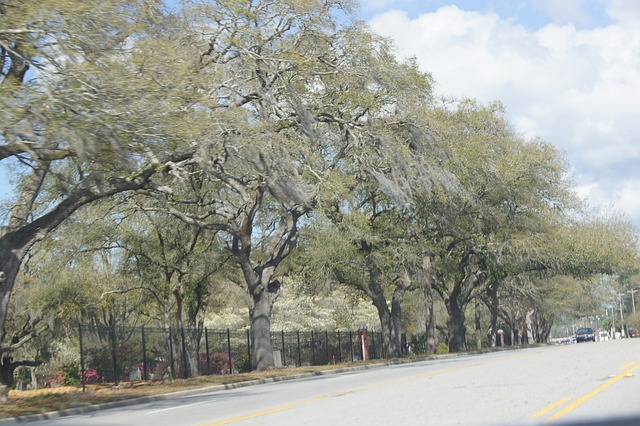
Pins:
x,y
558,384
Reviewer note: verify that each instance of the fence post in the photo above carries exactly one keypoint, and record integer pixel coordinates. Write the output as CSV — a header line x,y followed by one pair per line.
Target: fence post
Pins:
x,y
373,343
144,356
339,347
229,350
114,352
299,351
81,358
284,354
206,342
313,348
249,349
326,342
351,345
184,354
171,358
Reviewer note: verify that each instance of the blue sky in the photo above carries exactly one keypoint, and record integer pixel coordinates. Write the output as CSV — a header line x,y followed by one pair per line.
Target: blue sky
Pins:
x,y
567,71
5,186
530,13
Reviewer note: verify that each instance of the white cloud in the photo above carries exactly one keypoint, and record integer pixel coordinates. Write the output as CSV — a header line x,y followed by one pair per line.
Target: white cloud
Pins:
x,y
623,197
628,197
627,11
576,88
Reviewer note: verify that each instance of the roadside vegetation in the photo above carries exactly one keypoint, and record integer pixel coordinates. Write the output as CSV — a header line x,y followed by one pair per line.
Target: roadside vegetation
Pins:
x,y
24,403
38,401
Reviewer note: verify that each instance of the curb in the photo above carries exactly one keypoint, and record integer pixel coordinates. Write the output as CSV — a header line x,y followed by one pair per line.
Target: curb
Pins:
x,y
218,388
215,388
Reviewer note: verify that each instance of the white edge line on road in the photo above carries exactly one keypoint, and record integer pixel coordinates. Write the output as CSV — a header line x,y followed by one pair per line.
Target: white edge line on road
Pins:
x,y
349,376
175,408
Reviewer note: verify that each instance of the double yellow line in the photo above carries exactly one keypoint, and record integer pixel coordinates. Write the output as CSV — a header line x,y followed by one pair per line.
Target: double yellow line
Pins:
x,y
628,372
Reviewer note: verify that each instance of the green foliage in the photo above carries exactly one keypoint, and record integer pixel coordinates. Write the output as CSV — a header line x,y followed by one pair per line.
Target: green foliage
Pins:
x,y
71,375
301,308
442,349
242,363
633,321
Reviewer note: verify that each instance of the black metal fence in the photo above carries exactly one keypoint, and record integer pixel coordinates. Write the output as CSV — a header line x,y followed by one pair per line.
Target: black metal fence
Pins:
x,y
116,354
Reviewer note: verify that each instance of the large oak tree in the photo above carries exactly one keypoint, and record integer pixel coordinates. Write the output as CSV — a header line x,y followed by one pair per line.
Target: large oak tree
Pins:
x,y
79,121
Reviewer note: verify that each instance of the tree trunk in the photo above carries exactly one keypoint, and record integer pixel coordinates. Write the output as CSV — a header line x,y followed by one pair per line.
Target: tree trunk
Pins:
x,y
262,288
196,326
10,261
478,325
403,284
390,320
193,344
395,338
18,237
456,328
542,327
388,343
511,319
494,310
529,324
457,300
517,321
430,341
190,358
6,370
389,326
260,315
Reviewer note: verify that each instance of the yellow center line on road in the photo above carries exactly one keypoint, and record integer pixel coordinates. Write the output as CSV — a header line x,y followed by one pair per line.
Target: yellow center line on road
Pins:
x,y
286,407
259,413
569,408
550,408
519,356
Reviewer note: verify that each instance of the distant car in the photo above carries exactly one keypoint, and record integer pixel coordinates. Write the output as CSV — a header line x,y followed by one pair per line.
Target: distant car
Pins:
x,y
585,334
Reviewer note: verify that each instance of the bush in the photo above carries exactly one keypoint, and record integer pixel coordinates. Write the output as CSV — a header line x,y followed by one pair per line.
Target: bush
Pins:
x,y
243,363
100,358
218,362
91,376
71,375
161,371
442,349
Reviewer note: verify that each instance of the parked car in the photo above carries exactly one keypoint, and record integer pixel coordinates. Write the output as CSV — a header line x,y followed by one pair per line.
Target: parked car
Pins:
x,y
585,334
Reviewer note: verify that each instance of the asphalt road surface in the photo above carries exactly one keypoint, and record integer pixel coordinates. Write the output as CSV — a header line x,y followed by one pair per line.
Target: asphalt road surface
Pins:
x,y
570,384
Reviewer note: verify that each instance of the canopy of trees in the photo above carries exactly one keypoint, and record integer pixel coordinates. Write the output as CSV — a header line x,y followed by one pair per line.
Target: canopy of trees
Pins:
x,y
193,159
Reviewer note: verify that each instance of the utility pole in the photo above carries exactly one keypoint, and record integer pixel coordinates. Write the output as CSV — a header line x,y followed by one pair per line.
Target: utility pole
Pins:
x,y
633,301
621,295
613,323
